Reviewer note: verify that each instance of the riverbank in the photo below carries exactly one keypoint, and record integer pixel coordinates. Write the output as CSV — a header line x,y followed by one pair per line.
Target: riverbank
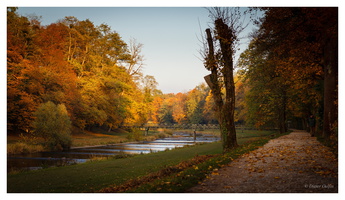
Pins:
x,y
94,176
21,144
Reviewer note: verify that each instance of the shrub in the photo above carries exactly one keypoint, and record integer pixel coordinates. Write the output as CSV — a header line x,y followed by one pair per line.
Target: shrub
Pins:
x,y
168,131
135,134
54,125
162,135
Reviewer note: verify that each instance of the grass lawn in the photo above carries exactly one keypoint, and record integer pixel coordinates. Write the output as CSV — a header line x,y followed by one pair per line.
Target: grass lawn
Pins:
x,y
99,137
93,176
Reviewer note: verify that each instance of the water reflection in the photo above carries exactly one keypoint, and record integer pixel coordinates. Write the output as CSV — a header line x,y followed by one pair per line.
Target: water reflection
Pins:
x,y
80,155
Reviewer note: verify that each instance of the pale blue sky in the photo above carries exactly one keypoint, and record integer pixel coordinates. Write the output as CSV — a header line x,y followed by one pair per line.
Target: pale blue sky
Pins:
x,y
170,36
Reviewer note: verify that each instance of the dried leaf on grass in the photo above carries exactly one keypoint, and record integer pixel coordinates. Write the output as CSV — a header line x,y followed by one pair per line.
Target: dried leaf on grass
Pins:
x,y
131,184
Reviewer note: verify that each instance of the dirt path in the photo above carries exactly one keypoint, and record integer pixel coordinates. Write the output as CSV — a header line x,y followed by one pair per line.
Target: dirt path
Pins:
x,y
292,163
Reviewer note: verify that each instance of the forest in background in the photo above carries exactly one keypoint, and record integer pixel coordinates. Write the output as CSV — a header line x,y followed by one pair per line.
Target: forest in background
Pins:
x,y
93,73
289,71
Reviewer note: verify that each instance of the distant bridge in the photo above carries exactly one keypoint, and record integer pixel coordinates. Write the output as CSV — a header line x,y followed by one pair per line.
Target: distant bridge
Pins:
x,y
172,126
181,126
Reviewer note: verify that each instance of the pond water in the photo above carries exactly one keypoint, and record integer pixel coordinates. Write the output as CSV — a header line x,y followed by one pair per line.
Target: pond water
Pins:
x,y
80,155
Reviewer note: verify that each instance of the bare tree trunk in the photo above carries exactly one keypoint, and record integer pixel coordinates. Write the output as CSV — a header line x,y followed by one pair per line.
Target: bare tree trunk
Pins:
x,y
211,63
224,110
225,37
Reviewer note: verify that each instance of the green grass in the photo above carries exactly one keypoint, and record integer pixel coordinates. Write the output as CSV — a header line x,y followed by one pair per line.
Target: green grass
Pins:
x,y
181,181
93,176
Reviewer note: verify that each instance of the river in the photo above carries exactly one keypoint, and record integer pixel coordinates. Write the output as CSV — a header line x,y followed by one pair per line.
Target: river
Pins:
x,y
41,160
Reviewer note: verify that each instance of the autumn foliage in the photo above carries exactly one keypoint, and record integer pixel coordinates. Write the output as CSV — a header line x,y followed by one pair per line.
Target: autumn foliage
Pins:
x,y
288,72
291,70
74,63
92,72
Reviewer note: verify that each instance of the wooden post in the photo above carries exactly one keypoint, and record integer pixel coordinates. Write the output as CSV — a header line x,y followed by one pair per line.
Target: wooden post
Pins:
x,y
147,131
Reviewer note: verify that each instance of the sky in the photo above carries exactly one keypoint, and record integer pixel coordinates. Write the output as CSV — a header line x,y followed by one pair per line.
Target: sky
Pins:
x,y
170,37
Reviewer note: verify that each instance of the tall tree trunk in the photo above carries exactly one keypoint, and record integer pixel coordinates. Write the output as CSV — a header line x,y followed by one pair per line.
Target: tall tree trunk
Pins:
x,y
330,114
282,113
227,128
282,121
225,110
212,65
225,37
330,65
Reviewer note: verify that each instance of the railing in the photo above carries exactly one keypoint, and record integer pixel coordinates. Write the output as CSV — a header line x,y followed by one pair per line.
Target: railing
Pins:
x,y
172,126
183,126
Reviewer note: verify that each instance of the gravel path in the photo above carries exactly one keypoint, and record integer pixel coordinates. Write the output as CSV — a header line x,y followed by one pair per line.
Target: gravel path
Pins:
x,y
294,163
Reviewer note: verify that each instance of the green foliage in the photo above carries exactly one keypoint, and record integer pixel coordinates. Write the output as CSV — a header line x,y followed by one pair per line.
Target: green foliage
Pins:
x,y
54,125
136,135
165,114
195,103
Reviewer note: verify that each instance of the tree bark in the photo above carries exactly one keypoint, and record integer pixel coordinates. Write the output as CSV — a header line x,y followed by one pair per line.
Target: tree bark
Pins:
x,y
329,42
225,38
282,112
330,115
224,109
211,64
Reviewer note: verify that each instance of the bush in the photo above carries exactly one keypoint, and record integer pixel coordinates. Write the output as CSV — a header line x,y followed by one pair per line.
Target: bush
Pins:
x,y
54,125
162,135
168,131
135,134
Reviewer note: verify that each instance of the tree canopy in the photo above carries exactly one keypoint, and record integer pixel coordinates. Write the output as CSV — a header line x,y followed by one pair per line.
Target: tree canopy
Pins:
x,y
291,69
92,72
88,68
288,71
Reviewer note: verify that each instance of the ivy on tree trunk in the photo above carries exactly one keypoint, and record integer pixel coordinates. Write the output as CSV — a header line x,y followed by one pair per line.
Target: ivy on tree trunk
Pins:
x,y
224,107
